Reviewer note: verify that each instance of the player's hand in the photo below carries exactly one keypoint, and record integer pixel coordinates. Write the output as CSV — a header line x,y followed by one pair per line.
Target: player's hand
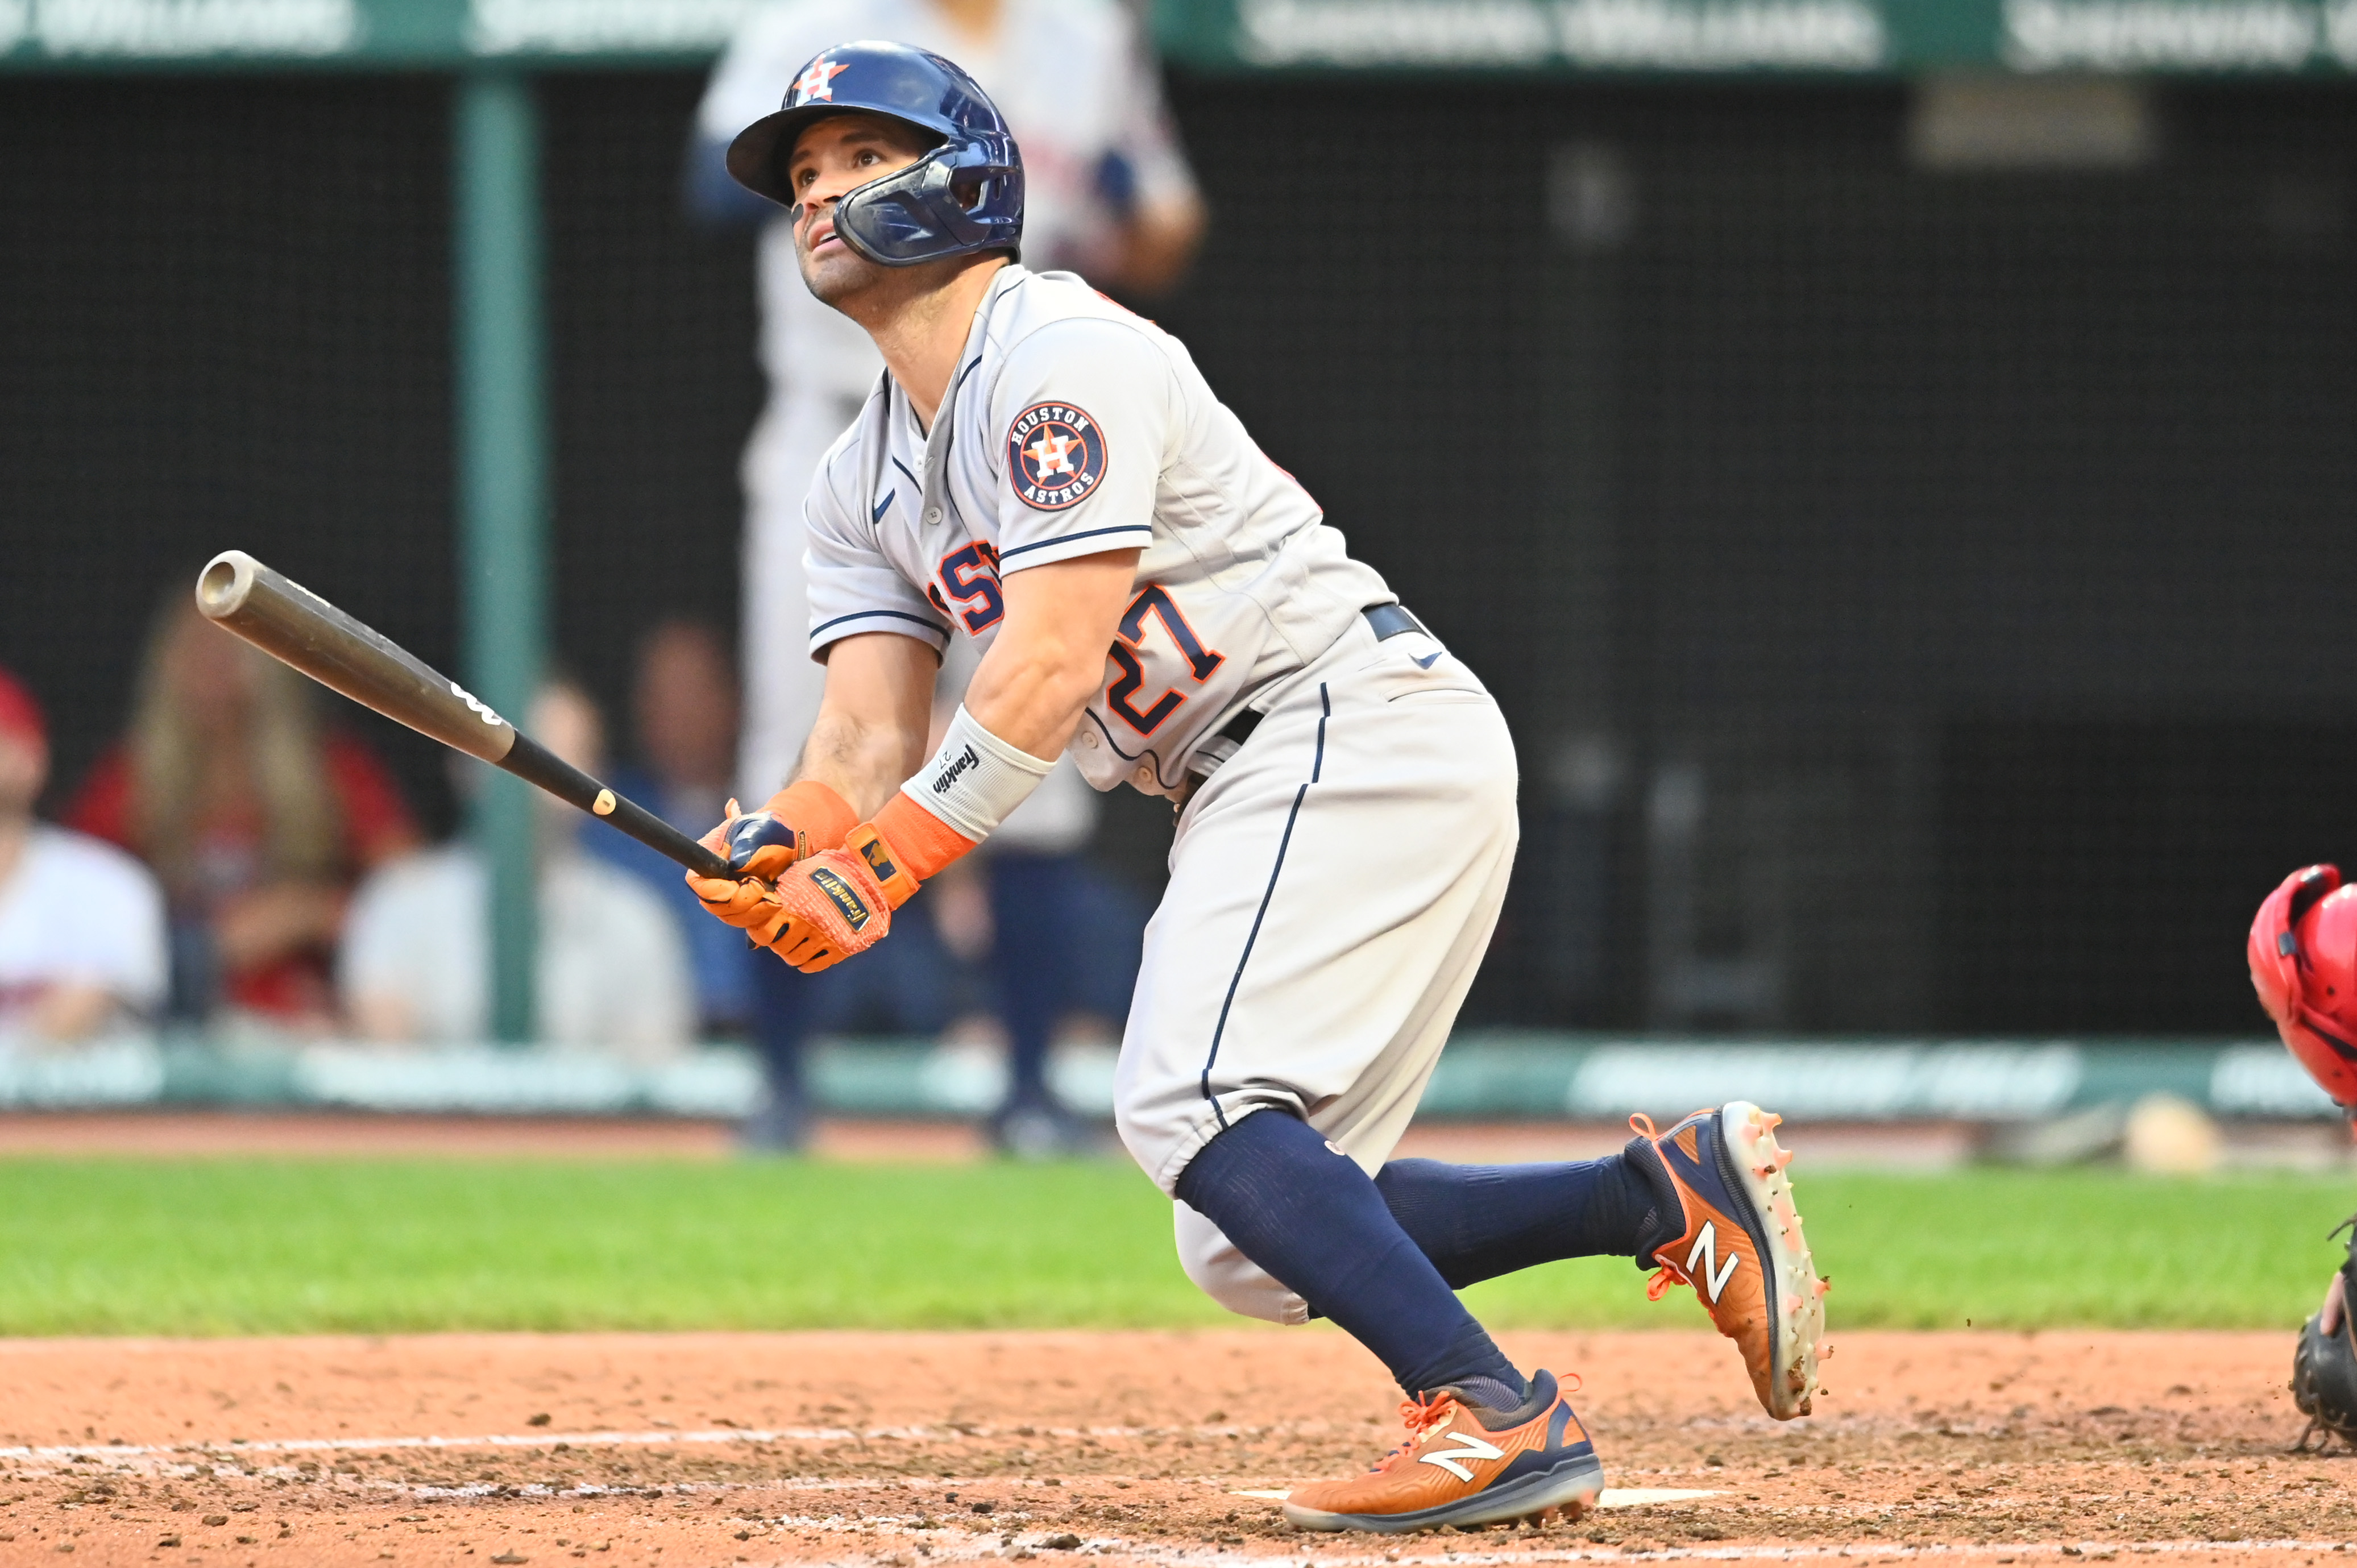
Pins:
x,y
821,911
761,846
738,900
758,843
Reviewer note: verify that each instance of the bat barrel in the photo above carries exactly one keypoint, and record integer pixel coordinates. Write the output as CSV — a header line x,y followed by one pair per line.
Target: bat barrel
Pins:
x,y
297,626
294,625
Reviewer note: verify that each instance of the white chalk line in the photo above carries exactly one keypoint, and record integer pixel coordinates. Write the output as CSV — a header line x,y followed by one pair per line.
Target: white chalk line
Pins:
x,y
954,1542
965,1545
68,1453
1610,1497
190,1456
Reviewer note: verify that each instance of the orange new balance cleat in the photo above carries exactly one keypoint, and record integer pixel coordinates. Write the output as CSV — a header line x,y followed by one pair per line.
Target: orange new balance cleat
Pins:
x,y
1741,1248
1456,1468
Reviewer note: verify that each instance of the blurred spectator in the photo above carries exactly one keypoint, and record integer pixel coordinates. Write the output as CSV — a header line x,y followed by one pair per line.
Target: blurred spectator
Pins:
x,y
256,820
1108,193
82,923
612,966
684,700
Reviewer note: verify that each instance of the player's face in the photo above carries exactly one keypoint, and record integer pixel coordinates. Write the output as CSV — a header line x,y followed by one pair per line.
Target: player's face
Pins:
x,y
832,158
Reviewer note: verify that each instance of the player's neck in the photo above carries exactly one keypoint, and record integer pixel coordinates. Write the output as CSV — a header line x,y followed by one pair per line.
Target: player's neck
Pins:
x,y
922,333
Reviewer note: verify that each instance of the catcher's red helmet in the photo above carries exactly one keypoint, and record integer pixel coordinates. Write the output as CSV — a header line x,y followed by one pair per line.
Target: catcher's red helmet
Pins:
x,y
2303,955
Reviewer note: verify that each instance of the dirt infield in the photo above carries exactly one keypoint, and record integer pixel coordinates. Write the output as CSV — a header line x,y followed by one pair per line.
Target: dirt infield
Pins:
x,y
180,1132
894,1450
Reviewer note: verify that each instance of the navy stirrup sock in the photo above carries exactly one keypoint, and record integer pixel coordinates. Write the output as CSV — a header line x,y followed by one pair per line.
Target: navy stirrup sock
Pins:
x,y
1476,1222
1313,1220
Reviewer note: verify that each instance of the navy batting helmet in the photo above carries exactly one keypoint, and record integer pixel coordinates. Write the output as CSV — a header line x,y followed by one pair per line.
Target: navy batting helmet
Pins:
x,y
964,196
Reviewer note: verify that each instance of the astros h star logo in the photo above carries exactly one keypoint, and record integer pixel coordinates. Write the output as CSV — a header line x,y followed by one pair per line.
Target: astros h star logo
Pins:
x,y
1055,456
817,83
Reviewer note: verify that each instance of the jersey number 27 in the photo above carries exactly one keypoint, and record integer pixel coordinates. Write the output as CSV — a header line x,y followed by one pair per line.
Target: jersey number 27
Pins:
x,y
1121,696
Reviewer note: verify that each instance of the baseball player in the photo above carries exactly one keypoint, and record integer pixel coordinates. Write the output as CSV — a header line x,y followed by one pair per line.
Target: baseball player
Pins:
x,y
1041,471
1109,194
2303,958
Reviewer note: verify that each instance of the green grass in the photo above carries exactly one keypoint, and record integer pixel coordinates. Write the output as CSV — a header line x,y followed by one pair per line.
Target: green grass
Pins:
x,y
213,1247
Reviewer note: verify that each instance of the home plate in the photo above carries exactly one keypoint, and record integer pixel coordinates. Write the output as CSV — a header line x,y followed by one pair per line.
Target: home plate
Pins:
x,y
1612,1498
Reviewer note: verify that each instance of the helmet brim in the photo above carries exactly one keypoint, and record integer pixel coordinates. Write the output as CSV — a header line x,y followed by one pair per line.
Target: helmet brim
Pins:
x,y
756,156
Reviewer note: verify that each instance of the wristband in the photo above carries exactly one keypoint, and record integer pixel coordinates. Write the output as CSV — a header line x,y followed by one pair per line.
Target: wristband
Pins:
x,y
953,805
975,778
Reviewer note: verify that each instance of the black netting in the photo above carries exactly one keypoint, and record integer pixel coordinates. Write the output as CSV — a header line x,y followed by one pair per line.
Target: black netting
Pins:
x,y
1919,596
224,322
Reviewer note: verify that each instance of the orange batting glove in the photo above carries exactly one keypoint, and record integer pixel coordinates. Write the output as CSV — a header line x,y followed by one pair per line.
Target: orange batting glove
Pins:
x,y
840,902
905,846
836,902
796,823
824,909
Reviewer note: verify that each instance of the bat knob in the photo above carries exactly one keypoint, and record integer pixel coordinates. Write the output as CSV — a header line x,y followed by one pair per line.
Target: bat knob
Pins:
x,y
751,835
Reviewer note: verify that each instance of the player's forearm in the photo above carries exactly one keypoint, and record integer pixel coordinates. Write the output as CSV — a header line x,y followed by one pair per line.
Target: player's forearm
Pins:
x,y
1031,697
1049,660
874,721
1019,710
862,761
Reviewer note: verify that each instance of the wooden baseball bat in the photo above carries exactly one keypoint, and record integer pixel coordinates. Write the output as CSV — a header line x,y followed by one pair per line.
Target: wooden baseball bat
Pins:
x,y
297,626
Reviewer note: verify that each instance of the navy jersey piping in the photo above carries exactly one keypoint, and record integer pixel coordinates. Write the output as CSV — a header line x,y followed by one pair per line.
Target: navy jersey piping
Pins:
x,y
863,615
1145,528
1144,755
1316,767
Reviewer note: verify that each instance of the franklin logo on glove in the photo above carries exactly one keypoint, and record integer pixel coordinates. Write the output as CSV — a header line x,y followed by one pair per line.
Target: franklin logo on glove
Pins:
x,y
855,909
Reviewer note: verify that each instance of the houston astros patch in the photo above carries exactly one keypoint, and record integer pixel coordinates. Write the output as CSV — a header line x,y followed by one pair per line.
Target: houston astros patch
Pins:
x,y
1055,456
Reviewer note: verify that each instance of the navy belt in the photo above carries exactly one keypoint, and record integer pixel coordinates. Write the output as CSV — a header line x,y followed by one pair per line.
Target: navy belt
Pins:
x,y
1388,621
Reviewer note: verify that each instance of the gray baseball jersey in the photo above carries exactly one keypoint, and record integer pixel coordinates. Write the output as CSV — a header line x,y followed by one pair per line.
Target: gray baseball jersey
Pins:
x,y
1075,426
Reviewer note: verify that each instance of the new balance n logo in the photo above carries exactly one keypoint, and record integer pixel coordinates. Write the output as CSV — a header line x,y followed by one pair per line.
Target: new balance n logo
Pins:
x,y
1713,1275
1467,1448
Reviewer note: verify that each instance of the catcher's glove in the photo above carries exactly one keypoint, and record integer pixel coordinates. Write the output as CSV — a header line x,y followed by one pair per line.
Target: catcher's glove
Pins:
x,y
2324,1367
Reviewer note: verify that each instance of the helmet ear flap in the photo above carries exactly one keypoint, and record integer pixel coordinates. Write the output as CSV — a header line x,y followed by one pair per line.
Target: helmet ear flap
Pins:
x,y
920,214
896,221
2274,948
2313,1018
